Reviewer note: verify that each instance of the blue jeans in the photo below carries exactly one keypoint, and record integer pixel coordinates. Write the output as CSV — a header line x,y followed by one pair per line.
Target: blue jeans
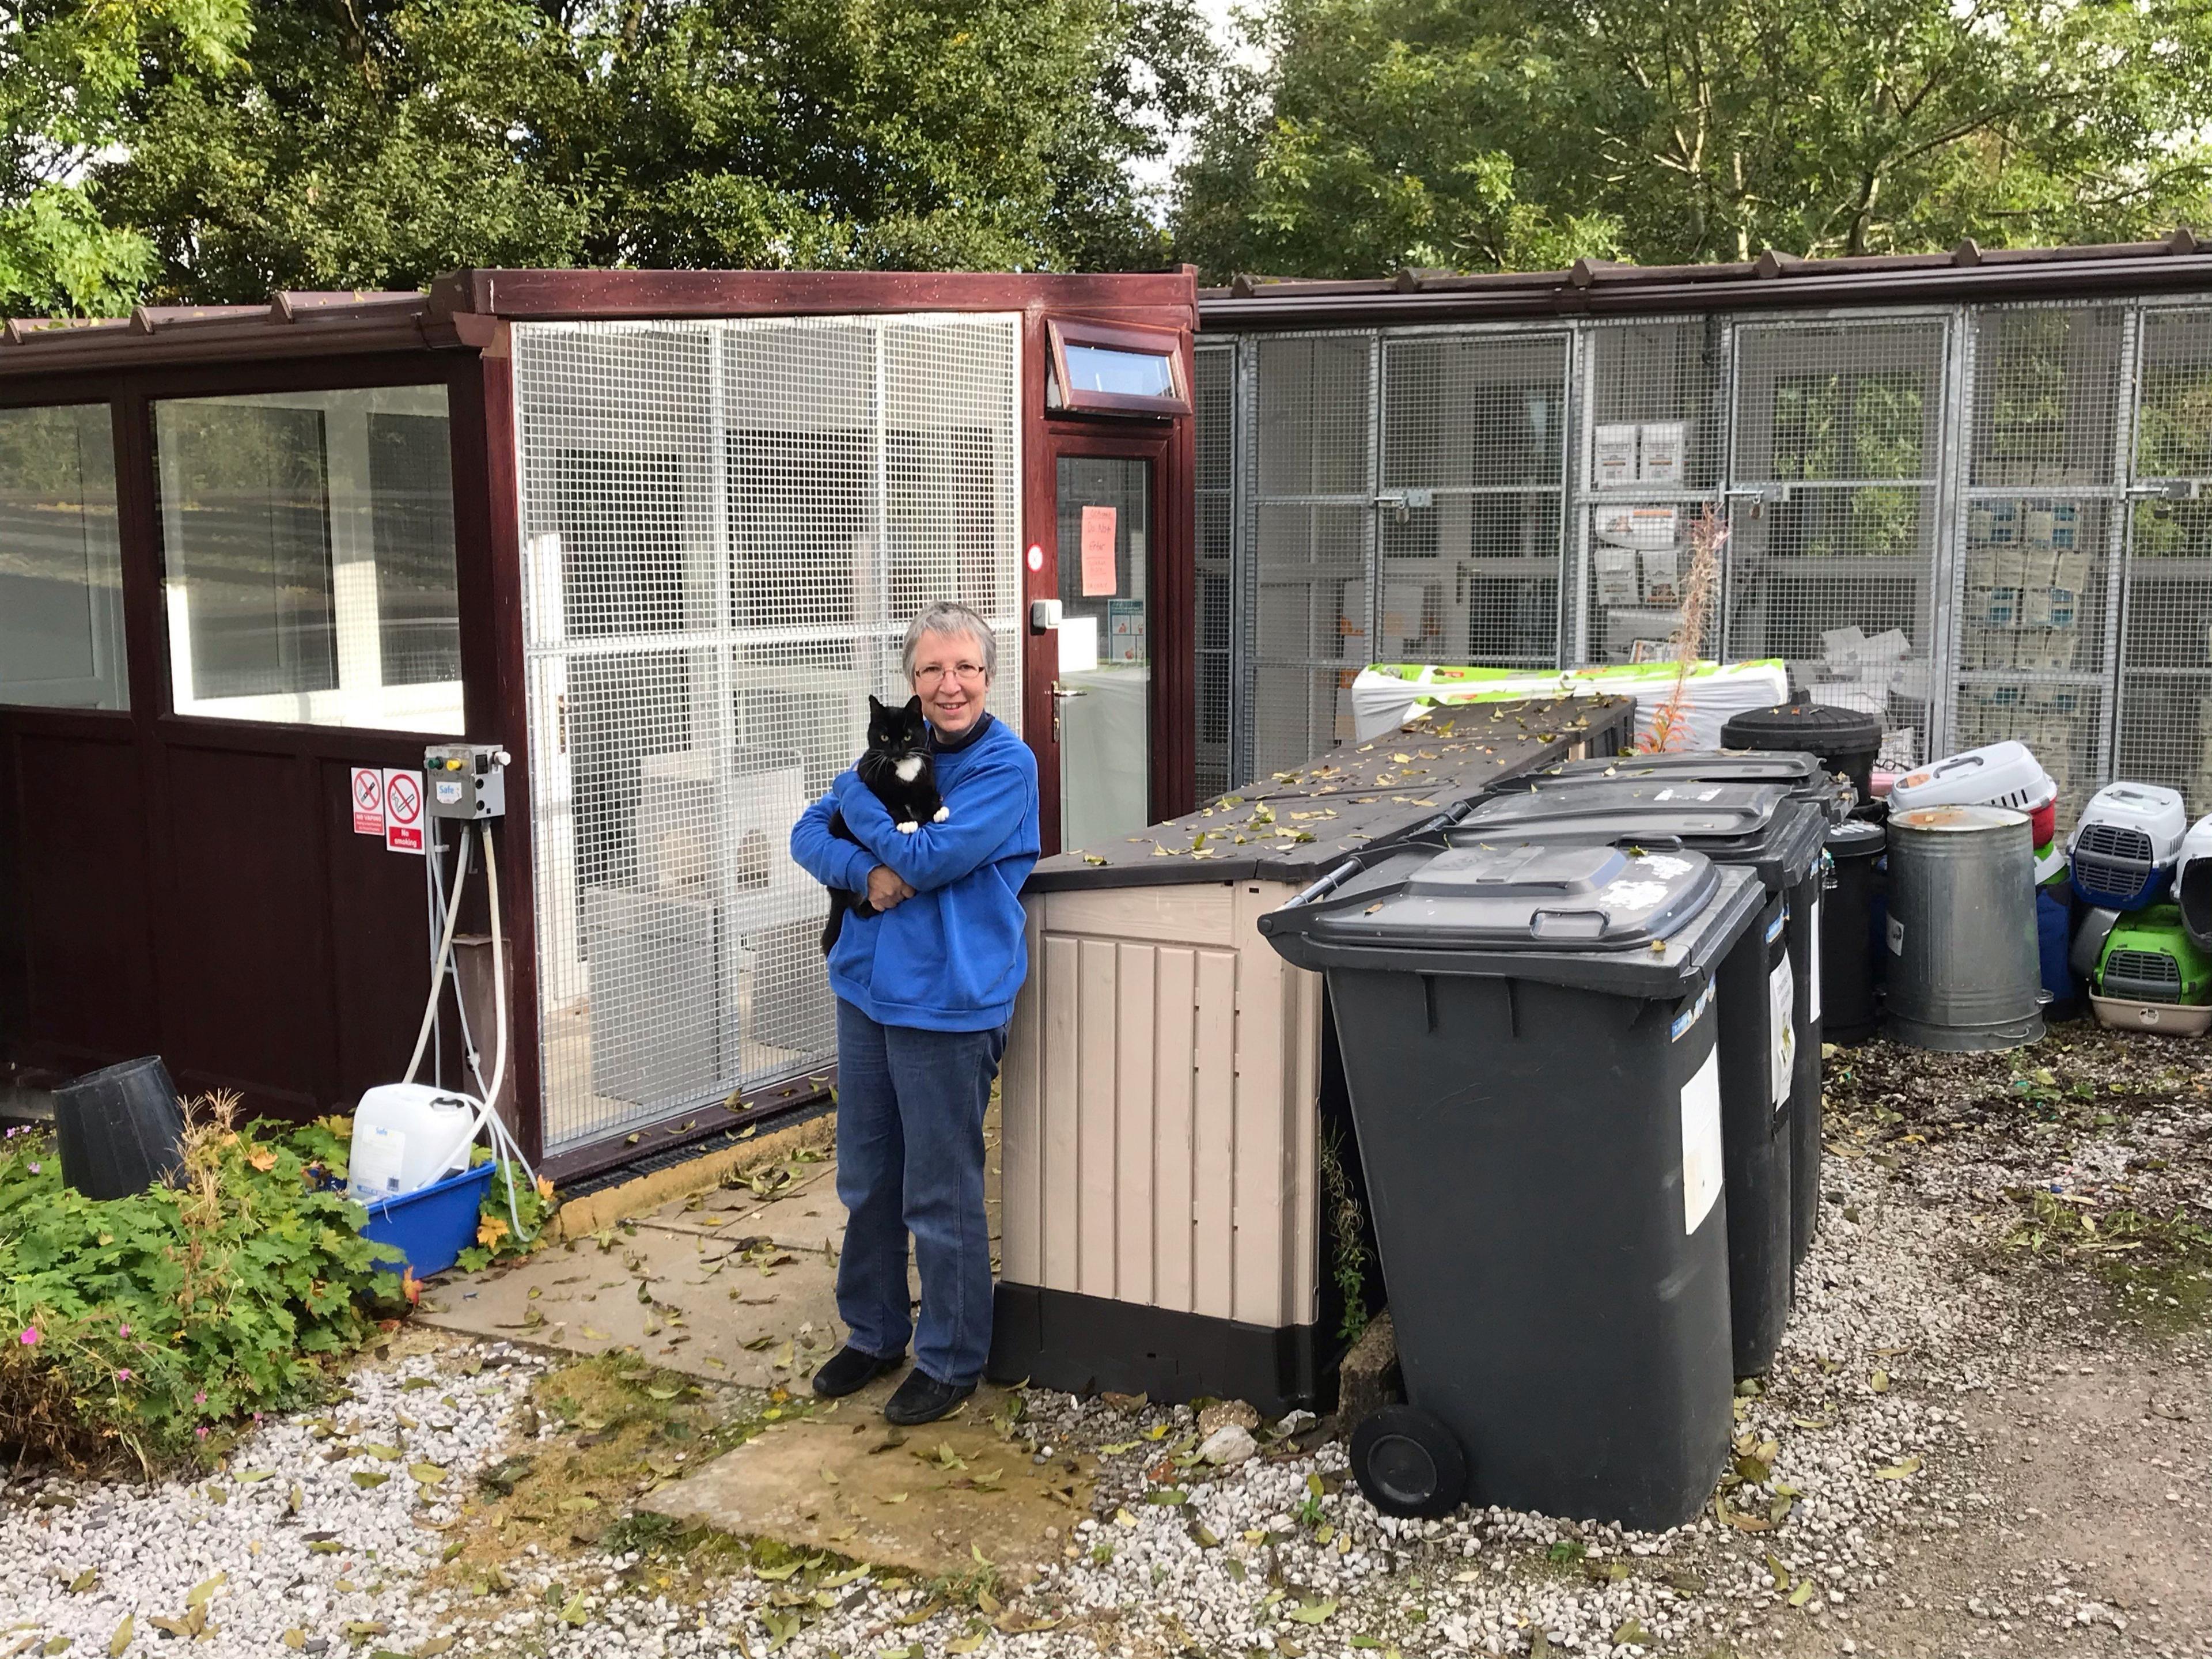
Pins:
x,y
910,1107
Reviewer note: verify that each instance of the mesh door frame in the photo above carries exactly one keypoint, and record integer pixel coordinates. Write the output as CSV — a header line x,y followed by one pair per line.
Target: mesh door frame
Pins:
x,y
721,654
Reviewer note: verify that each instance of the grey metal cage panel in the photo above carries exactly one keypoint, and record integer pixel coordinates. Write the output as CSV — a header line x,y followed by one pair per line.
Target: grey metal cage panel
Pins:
x,y
1652,442
1310,529
1471,504
1215,420
727,525
1834,486
2040,535
2164,728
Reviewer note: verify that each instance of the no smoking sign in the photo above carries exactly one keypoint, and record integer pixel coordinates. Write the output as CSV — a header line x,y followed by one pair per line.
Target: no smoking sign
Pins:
x,y
403,812
368,801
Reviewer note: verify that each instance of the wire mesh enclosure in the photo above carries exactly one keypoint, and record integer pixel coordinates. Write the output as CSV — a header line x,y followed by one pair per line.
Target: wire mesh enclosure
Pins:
x,y
1214,376
1976,521
727,525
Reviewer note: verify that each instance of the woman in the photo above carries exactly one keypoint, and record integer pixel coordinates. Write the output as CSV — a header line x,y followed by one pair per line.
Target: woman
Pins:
x,y
925,991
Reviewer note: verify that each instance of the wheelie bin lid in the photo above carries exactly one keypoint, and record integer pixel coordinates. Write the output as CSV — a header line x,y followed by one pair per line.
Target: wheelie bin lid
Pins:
x,y
1592,914
1757,825
1800,770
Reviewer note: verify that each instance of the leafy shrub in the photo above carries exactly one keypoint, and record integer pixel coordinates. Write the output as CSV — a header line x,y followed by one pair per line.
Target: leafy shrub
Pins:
x,y
149,1324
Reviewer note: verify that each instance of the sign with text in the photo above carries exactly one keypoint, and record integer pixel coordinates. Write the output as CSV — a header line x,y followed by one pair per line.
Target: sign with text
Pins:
x,y
1099,578
367,801
403,812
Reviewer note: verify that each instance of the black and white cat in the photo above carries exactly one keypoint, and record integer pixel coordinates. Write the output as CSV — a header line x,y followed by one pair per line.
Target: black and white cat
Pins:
x,y
896,766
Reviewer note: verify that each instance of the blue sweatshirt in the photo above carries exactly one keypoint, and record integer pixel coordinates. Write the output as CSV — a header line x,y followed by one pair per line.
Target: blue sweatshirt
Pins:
x,y
953,956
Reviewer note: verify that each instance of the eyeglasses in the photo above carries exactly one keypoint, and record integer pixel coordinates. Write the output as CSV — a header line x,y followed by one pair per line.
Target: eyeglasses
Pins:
x,y
968,673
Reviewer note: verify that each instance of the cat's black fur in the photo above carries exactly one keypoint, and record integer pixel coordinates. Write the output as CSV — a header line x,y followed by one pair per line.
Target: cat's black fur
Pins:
x,y
896,736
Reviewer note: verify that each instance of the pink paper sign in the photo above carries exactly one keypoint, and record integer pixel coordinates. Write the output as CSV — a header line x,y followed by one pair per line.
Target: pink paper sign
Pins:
x,y
1099,579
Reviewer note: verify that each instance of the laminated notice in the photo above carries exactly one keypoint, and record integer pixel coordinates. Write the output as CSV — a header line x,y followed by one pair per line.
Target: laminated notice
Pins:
x,y
1701,1142
1782,1031
1813,990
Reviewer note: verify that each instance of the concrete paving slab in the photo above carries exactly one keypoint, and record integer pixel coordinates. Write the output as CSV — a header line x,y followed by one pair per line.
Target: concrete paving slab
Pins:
x,y
848,1483
728,1209
714,1312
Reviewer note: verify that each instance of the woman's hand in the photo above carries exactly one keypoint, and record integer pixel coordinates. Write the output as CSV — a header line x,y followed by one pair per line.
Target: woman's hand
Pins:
x,y
885,889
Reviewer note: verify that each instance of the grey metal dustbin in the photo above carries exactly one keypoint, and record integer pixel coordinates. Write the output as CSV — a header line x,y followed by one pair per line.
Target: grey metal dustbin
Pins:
x,y
1767,1093
1529,1045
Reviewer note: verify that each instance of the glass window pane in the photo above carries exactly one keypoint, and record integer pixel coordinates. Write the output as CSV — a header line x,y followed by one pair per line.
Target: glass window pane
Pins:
x,y
308,538
61,571
1133,373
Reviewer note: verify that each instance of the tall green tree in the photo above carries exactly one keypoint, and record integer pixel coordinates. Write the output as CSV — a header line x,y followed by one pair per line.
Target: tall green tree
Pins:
x,y
373,143
1486,133
67,71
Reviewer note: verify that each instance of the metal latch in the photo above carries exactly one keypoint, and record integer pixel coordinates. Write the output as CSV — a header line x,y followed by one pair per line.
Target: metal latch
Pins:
x,y
1758,494
1403,502
2166,489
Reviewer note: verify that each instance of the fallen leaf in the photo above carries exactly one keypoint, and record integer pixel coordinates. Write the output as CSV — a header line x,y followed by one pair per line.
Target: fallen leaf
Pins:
x,y
1314,1614
366,1479
121,1639
1899,1471
426,1474
1880,1383
1802,1594
84,1581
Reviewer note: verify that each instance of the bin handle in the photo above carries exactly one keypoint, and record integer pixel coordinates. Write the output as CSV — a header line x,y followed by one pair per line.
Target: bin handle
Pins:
x,y
1327,884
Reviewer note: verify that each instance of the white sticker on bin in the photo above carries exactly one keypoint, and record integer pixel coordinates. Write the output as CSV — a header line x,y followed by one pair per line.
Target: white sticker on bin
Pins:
x,y
1896,937
1812,985
1691,1015
1701,1142
1782,1056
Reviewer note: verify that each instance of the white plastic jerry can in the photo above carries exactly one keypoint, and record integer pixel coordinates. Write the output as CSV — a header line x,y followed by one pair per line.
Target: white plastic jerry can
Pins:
x,y
405,1136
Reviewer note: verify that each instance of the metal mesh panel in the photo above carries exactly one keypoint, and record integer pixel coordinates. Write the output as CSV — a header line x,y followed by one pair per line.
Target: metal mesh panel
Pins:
x,y
1215,421
1312,538
727,525
1832,555
1652,444
2040,536
1473,442
2166,654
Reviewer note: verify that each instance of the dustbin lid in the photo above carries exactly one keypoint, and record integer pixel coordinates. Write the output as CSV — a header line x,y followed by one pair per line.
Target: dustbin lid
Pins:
x,y
1857,838
1527,896
1721,765
1649,806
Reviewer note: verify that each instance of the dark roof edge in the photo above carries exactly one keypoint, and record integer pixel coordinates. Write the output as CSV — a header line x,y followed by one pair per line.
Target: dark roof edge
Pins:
x,y
1596,289
571,296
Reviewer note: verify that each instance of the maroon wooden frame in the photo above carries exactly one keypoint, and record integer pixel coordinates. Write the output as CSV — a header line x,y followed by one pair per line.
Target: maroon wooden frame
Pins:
x,y
1124,337
111,908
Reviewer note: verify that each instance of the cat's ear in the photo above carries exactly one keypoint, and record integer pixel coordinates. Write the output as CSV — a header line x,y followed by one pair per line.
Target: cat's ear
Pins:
x,y
875,707
914,708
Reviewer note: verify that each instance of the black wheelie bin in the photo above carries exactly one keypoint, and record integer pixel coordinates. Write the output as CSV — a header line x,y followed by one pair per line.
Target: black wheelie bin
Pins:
x,y
1769,1090
1528,1036
1813,949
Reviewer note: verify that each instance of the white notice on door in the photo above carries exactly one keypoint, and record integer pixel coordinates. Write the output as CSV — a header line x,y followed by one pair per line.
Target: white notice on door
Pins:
x,y
1701,1142
1782,1033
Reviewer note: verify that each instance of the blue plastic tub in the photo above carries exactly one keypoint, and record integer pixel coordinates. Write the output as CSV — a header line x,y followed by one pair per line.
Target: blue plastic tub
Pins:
x,y
433,1226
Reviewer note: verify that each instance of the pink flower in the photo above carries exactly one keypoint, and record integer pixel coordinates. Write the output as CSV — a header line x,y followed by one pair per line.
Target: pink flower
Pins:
x,y
123,1375
33,1168
200,1399
201,1431
123,1330
30,1337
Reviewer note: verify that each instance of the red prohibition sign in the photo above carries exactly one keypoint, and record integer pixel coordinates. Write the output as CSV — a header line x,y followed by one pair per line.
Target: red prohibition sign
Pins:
x,y
364,788
404,800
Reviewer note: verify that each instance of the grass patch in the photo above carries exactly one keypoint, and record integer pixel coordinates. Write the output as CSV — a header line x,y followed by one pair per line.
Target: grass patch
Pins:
x,y
2159,1267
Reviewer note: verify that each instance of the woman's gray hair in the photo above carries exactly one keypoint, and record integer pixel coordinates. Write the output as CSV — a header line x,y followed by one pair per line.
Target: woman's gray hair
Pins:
x,y
947,616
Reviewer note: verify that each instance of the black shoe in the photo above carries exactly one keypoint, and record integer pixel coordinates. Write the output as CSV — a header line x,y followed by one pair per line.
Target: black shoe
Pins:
x,y
922,1399
851,1369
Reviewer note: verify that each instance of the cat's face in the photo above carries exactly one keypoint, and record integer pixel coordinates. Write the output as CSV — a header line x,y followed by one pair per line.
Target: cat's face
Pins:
x,y
896,729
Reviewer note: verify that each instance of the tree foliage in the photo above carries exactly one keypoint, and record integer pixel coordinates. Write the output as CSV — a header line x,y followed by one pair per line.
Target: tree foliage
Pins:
x,y
1521,133
342,143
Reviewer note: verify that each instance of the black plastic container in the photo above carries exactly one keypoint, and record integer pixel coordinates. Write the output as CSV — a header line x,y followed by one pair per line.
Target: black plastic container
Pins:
x,y
1799,771
1529,1042
119,1130
1770,1042
1847,740
1851,955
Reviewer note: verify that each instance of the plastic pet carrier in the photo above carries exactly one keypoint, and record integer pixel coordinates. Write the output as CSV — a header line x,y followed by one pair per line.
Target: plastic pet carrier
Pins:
x,y
2125,848
2002,774
2192,883
2152,976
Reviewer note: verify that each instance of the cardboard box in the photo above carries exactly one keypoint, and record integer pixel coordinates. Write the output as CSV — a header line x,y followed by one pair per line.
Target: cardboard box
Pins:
x,y
1613,455
1660,449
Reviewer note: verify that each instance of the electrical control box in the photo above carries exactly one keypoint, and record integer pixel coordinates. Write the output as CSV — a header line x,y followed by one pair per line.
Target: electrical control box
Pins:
x,y
466,779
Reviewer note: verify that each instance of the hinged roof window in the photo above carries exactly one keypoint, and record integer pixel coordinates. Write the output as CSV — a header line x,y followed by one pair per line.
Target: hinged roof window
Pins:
x,y
1116,369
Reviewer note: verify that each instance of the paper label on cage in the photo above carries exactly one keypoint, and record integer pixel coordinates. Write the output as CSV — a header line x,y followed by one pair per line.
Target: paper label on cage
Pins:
x,y
1099,578
1813,989
1659,451
1616,575
1636,526
1782,1030
1125,631
1612,454
1896,937
378,1155
1661,572
1701,1142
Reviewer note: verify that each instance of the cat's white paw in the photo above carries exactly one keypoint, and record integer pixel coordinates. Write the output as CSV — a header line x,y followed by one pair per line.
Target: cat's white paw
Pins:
x,y
908,827
940,815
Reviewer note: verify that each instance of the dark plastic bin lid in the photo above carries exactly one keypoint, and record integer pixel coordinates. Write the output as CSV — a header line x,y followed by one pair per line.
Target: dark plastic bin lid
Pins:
x,y
1821,727
1801,770
1754,823
1857,838
1601,917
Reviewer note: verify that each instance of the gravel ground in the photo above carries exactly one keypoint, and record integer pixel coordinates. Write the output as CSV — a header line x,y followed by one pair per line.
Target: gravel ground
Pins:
x,y
1983,1436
